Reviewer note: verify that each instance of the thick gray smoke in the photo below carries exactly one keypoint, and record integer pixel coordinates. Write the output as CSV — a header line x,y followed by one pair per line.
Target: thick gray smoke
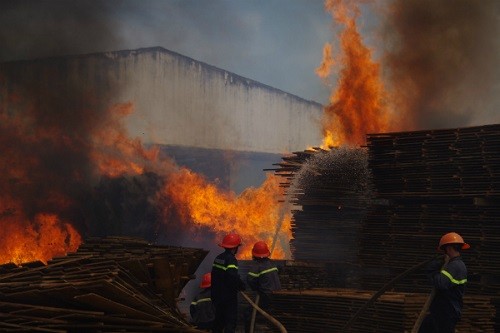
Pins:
x,y
444,61
45,28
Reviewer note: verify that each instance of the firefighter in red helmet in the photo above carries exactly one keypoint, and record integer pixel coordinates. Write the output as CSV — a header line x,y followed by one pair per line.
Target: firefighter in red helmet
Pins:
x,y
449,279
226,283
263,278
201,308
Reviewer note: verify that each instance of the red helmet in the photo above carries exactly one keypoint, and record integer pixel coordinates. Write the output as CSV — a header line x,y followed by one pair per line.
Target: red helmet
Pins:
x,y
452,238
260,250
206,281
231,241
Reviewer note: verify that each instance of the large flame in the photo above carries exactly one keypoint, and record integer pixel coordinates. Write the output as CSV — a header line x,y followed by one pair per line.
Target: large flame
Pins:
x,y
255,214
40,238
113,152
33,170
40,195
357,105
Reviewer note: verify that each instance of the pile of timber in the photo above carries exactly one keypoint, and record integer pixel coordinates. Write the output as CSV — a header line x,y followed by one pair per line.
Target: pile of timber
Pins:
x,y
303,275
110,284
434,182
329,191
329,310
425,184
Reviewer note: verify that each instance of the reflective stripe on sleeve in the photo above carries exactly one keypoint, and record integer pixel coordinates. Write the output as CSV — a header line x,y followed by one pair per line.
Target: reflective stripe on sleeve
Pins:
x,y
263,272
225,268
201,300
452,279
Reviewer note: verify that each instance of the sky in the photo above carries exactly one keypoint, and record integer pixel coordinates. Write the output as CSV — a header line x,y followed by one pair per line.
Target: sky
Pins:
x,y
275,42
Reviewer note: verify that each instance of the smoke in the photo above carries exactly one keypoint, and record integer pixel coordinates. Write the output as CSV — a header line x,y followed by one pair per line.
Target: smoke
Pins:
x,y
443,59
69,169
45,28
64,152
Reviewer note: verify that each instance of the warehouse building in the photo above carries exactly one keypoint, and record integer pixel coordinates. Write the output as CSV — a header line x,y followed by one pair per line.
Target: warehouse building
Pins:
x,y
218,123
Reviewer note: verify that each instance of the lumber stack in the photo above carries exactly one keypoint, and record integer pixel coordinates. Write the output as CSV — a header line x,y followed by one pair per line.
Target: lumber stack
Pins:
x,y
108,285
329,310
428,183
424,184
434,182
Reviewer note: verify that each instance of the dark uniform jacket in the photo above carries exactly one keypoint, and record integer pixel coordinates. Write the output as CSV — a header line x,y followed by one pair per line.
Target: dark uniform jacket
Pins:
x,y
450,286
226,281
202,310
263,276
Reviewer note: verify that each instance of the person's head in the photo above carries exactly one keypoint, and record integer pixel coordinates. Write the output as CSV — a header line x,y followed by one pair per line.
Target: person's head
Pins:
x,y
452,243
206,280
231,242
260,250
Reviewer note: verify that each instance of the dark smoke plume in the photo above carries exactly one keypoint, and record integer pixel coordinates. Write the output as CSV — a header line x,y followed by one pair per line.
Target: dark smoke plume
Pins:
x,y
444,60
49,124
46,28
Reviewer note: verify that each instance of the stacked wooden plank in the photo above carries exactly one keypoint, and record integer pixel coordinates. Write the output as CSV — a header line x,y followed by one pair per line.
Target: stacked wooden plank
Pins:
x,y
328,310
330,191
110,284
425,183
435,182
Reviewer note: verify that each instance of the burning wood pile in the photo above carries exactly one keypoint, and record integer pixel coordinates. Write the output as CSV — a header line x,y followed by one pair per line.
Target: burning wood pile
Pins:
x,y
110,284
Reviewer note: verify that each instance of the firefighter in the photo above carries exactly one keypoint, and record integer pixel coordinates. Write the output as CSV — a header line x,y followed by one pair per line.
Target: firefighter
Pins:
x,y
449,279
263,278
226,283
201,309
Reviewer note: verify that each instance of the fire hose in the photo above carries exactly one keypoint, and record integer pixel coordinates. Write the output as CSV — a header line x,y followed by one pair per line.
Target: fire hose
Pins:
x,y
426,306
265,314
386,287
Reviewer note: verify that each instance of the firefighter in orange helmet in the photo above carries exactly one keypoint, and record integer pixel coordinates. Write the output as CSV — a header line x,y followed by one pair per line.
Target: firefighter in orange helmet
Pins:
x,y
226,283
201,309
449,279
263,278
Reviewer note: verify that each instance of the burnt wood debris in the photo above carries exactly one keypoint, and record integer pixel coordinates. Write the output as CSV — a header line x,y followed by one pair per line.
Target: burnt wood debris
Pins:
x,y
110,284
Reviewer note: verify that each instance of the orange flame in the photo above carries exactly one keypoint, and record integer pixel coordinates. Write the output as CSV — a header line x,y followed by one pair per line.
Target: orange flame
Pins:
x,y
324,69
113,152
41,234
42,238
357,106
254,214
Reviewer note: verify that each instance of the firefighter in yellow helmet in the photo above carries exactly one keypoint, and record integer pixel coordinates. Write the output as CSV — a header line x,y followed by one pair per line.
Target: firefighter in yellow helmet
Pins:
x,y
449,279
226,283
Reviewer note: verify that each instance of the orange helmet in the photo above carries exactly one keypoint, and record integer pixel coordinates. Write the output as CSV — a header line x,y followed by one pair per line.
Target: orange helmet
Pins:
x,y
206,281
452,238
260,250
231,241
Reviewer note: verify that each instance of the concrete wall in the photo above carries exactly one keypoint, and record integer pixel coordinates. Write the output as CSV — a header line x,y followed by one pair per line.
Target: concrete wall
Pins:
x,y
181,101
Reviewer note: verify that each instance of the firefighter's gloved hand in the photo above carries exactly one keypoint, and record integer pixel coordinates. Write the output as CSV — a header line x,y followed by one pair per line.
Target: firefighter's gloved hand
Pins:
x,y
435,265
